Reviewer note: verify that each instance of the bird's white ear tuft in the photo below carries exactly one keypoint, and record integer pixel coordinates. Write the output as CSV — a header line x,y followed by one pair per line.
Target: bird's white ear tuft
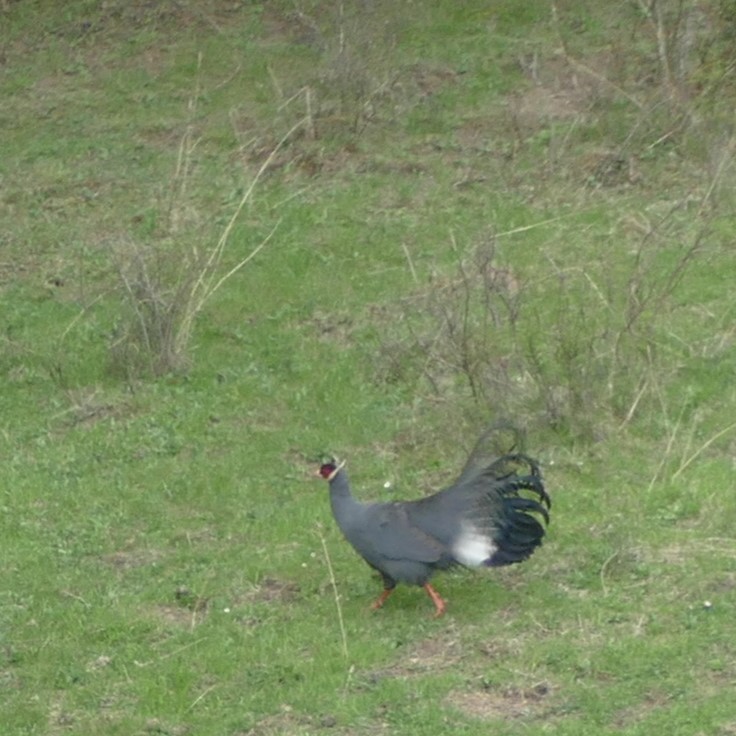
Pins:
x,y
337,469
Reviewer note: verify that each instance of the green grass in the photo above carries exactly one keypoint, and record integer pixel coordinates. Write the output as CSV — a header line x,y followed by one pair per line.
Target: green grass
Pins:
x,y
162,541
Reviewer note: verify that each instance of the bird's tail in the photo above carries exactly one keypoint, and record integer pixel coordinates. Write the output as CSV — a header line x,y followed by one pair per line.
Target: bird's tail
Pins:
x,y
523,519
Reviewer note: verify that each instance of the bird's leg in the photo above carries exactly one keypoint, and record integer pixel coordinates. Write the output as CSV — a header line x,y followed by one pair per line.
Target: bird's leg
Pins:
x,y
382,598
439,604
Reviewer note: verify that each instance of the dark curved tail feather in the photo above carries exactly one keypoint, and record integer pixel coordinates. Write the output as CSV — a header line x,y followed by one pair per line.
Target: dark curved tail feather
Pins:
x,y
519,531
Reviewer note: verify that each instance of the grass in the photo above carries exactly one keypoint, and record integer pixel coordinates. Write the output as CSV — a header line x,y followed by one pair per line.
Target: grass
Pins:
x,y
168,564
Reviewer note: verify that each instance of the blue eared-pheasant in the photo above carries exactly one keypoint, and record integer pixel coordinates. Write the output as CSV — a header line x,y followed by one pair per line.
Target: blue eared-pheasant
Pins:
x,y
494,514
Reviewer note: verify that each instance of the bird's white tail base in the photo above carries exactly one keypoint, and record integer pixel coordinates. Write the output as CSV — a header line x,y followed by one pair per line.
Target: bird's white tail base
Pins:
x,y
472,548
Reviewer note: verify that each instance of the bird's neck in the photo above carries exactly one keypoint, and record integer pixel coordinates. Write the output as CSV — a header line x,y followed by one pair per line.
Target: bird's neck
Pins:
x,y
344,504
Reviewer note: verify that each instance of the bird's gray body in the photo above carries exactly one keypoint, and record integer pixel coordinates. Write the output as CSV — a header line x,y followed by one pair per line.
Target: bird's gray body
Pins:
x,y
480,520
386,538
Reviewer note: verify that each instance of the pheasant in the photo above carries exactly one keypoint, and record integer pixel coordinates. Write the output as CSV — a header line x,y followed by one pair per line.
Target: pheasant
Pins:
x,y
481,520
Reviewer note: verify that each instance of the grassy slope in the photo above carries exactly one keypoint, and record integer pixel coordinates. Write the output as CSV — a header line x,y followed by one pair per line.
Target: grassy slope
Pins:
x,y
163,566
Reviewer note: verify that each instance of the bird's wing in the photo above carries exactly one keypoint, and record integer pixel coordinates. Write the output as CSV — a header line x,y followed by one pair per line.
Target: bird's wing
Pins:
x,y
392,534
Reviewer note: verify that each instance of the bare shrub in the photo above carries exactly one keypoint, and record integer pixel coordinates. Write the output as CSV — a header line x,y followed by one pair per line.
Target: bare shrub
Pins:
x,y
156,286
164,284
582,348
354,77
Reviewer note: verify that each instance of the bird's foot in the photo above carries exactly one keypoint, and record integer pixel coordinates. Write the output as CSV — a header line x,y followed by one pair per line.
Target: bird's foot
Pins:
x,y
381,599
439,604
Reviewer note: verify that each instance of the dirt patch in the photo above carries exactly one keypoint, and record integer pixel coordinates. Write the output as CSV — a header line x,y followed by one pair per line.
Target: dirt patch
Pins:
x,y
541,104
288,721
558,92
130,15
58,718
179,616
433,654
272,590
503,704
427,80
335,329
294,27
87,407
184,609
635,713
124,560
157,726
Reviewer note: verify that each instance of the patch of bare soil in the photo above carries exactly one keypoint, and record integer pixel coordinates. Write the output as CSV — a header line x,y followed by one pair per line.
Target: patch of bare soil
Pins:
x,y
157,726
635,713
119,15
333,328
87,407
287,721
179,616
185,609
272,590
433,654
293,26
562,94
11,271
538,106
58,718
131,559
504,703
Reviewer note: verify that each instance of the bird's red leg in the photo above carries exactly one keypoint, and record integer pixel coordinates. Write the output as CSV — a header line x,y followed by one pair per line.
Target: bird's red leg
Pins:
x,y
382,598
439,604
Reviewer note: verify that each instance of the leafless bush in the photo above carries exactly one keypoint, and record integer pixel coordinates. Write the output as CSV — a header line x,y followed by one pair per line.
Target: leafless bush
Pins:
x,y
156,287
580,348
166,283
354,77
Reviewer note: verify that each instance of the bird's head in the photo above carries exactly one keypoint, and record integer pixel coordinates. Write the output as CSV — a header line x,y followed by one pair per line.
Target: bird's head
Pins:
x,y
329,468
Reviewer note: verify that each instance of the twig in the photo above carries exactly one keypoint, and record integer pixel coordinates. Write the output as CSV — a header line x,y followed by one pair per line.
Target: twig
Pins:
x,y
591,73
703,447
201,695
667,450
541,223
634,403
411,263
312,133
69,594
79,316
602,573
585,69
256,179
245,260
275,82
338,605
723,163
204,284
173,653
654,16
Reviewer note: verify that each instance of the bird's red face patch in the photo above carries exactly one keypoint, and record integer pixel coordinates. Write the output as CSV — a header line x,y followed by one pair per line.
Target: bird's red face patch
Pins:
x,y
327,470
